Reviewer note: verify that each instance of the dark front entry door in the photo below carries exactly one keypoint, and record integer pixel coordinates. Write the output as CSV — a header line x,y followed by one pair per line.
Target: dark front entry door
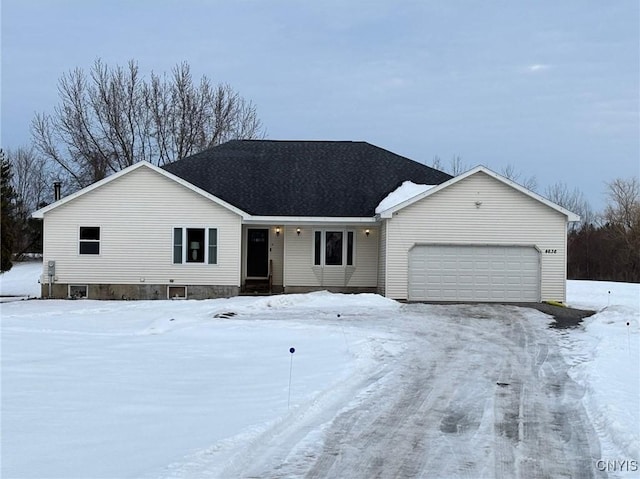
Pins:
x,y
258,253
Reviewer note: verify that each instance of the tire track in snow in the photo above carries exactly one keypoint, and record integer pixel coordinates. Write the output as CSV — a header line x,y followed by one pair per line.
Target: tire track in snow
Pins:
x,y
479,391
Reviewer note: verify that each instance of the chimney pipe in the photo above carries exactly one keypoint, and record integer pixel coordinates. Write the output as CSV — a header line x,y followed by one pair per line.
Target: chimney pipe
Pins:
x,y
56,190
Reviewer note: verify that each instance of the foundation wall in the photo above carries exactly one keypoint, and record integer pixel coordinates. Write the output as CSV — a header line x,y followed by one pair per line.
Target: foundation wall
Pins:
x,y
141,291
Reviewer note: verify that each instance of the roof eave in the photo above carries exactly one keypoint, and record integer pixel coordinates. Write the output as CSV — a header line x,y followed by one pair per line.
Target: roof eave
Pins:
x,y
296,220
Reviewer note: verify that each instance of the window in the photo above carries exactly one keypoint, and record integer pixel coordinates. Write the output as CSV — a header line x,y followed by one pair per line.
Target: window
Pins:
x,y
177,292
195,245
89,240
77,291
331,249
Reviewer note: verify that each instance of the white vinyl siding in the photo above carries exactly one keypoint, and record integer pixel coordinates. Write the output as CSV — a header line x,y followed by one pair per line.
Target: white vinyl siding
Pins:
x,y
382,259
277,254
137,214
300,253
504,216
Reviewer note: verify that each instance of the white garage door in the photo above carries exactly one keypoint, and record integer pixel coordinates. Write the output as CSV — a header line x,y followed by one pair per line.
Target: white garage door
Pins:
x,y
474,273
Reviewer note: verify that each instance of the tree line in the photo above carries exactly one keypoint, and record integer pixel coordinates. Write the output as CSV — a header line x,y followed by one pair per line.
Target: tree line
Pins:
x,y
609,247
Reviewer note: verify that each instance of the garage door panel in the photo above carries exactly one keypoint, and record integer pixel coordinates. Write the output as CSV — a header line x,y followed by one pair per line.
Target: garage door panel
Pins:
x,y
474,273
465,279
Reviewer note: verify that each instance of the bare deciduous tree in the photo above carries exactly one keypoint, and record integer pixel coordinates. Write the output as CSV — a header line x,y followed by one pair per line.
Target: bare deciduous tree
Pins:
x,y
511,173
32,179
573,201
113,118
437,163
622,215
455,167
624,204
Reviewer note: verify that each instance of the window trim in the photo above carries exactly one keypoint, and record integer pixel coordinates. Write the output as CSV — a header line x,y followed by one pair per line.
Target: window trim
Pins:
x,y
90,241
208,247
323,248
176,286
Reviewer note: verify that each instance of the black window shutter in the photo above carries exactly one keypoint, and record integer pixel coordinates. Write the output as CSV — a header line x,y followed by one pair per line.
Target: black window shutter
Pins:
x,y
177,245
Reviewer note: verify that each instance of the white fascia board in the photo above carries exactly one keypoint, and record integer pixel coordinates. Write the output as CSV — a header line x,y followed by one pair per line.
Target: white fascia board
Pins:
x,y
300,220
42,211
570,216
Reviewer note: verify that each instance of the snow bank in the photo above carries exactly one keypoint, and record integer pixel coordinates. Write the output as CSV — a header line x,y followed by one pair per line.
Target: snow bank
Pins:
x,y
324,299
22,280
605,358
405,191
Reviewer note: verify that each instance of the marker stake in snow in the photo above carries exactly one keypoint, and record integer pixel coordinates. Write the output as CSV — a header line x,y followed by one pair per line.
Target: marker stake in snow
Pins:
x,y
629,337
291,350
344,335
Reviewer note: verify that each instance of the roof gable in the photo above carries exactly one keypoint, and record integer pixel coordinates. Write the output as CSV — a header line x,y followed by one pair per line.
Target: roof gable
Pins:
x,y
570,215
302,178
142,164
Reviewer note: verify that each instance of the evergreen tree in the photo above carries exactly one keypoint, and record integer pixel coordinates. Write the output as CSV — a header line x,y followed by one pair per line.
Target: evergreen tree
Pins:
x,y
7,211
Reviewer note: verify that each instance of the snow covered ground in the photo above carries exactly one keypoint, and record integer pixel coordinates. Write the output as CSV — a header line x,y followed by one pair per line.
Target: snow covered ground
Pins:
x,y
21,281
604,358
182,389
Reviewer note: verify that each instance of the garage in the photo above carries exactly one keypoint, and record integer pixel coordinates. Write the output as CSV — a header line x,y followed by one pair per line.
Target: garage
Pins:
x,y
494,273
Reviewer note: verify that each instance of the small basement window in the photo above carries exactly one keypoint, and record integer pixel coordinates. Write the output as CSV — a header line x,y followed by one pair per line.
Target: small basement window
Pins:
x,y
89,240
177,292
77,291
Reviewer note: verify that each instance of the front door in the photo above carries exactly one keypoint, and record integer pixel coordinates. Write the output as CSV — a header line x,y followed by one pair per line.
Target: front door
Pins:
x,y
257,253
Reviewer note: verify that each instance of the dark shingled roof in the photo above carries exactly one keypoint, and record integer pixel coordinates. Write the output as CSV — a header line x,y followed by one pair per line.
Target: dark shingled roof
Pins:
x,y
302,178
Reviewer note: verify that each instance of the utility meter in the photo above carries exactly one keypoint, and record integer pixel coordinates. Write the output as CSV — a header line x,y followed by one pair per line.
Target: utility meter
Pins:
x,y
52,268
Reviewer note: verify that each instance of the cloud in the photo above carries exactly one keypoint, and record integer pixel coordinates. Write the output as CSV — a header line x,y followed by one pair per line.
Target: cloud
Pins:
x,y
538,67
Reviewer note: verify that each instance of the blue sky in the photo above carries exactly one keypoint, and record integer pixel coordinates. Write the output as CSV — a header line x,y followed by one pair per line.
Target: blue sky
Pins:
x,y
550,87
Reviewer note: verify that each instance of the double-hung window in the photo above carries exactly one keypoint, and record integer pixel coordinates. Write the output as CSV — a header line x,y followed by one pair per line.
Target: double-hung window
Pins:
x,y
195,245
333,248
89,240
